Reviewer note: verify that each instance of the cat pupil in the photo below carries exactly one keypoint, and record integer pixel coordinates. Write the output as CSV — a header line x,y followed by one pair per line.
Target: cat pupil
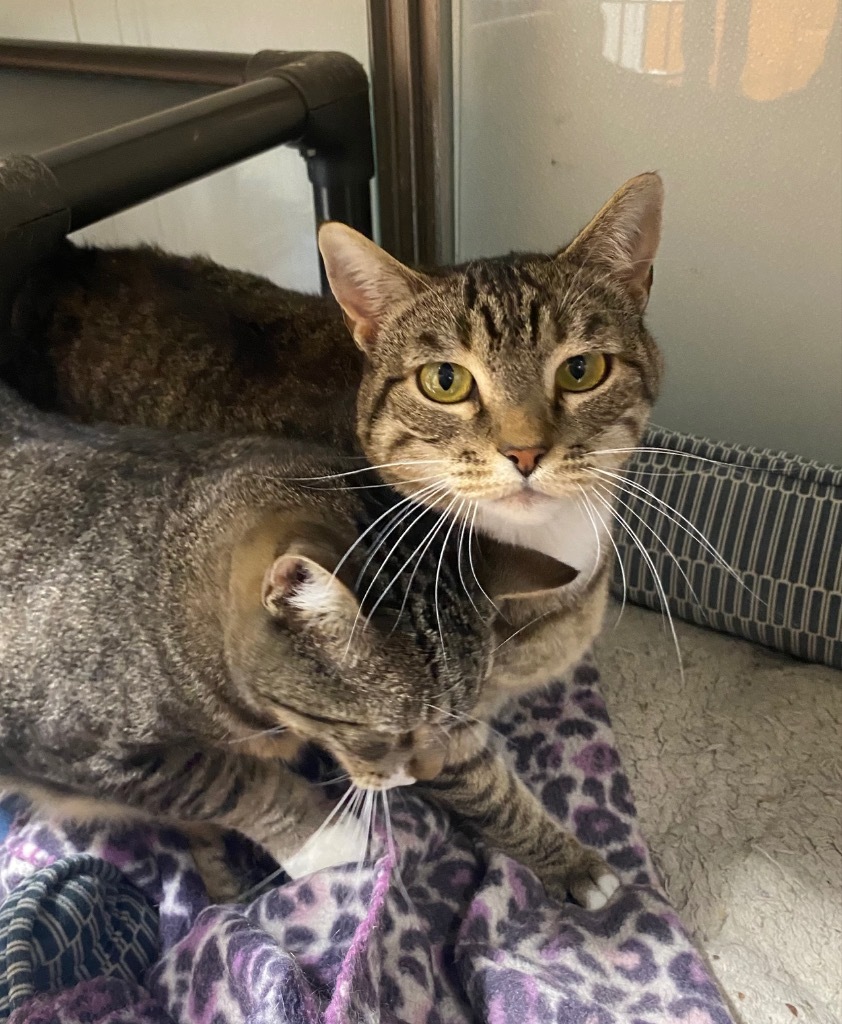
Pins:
x,y
577,367
446,376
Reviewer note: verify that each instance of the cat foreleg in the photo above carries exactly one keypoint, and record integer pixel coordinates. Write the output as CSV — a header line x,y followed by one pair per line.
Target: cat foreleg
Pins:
x,y
478,786
259,797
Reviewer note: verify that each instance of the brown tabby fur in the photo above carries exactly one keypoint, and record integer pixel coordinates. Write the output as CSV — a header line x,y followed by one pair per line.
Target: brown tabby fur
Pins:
x,y
137,336
176,617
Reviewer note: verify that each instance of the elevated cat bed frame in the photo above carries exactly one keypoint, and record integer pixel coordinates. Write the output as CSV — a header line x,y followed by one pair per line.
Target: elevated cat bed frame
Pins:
x,y
87,131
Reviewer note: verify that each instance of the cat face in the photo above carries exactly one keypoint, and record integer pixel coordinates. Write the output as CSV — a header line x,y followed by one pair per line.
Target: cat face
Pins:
x,y
376,688
513,383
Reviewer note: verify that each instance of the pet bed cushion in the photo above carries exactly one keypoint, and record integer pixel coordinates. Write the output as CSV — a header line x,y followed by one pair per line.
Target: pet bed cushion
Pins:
x,y
433,930
78,918
775,519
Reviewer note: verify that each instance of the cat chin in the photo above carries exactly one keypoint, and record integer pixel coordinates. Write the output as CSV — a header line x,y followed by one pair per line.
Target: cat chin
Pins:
x,y
559,527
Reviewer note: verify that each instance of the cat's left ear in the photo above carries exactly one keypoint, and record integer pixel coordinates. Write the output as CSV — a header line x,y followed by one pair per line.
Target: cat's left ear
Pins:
x,y
509,573
366,281
623,237
300,590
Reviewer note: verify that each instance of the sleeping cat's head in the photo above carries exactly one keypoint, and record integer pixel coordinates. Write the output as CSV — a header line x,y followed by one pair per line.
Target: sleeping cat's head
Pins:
x,y
512,382
375,690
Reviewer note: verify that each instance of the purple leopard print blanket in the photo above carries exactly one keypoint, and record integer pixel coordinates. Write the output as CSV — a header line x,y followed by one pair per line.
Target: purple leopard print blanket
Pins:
x,y
432,931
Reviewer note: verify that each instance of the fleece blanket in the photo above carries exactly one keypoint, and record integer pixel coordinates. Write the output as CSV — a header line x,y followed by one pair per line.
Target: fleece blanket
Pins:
x,y
432,930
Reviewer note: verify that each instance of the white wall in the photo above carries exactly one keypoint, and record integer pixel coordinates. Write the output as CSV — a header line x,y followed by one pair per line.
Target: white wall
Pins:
x,y
737,103
258,215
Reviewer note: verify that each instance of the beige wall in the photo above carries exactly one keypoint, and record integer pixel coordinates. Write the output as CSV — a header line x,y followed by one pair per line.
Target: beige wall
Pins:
x,y
737,103
257,215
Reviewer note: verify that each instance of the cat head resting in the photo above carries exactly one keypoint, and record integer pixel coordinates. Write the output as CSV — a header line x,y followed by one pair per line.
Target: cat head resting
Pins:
x,y
371,687
518,384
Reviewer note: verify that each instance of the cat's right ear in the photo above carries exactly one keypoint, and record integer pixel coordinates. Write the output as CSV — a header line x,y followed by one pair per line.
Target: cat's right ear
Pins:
x,y
366,281
302,592
623,237
511,573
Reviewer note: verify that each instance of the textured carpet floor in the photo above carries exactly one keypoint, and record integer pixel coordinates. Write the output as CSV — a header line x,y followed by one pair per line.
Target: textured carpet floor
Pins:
x,y
737,773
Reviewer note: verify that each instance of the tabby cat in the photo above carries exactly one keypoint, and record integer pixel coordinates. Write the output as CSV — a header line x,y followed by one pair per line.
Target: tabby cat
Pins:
x,y
178,613
517,385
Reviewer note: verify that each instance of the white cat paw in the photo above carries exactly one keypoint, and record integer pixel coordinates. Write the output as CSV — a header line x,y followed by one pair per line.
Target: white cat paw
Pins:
x,y
599,891
342,842
594,887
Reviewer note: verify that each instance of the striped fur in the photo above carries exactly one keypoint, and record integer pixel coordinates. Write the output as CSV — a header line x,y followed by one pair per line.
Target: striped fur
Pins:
x,y
98,346
158,659
511,322
476,784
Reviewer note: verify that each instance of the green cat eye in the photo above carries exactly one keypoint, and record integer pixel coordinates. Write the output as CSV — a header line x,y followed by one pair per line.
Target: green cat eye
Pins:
x,y
445,382
582,373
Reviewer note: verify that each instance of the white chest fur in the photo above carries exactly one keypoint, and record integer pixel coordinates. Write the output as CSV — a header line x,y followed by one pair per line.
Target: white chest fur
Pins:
x,y
564,529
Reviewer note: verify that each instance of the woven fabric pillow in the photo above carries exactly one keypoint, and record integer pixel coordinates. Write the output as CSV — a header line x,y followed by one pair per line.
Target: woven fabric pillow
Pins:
x,y
75,920
775,518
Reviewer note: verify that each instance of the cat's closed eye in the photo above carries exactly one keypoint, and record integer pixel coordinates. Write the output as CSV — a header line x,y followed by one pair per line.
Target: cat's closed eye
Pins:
x,y
582,372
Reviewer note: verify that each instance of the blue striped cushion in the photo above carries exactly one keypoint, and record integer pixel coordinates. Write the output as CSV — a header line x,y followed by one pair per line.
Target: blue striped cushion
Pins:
x,y
78,919
775,518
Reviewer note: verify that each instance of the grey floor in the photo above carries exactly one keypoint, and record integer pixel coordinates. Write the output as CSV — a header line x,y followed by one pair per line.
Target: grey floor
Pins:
x,y
737,772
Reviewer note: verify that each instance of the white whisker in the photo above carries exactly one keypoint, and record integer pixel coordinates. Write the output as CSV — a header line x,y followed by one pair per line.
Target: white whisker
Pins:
x,y
274,731
638,491
593,510
665,610
462,716
453,522
659,451
425,544
598,561
392,848
463,525
366,469
422,511
343,802
471,563
427,494
365,822
531,622
373,487
389,512
654,532
660,473
333,781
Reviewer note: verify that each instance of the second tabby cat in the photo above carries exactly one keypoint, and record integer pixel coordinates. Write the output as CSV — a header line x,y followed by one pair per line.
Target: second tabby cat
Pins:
x,y
179,612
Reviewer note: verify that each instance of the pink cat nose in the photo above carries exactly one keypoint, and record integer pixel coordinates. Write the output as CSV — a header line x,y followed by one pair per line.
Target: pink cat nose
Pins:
x,y
526,459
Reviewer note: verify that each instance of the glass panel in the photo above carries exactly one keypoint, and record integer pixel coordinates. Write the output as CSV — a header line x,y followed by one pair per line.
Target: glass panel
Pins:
x,y
737,103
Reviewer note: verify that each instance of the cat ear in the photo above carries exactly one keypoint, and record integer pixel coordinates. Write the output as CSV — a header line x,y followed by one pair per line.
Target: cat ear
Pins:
x,y
366,281
511,572
301,591
623,237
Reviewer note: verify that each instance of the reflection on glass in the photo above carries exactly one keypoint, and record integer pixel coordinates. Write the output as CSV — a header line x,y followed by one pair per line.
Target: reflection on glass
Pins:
x,y
780,44
787,40
486,12
644,36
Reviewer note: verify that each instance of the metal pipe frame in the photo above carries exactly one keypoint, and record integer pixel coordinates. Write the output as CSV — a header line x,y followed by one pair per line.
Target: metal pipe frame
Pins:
x,y
317,101
410,42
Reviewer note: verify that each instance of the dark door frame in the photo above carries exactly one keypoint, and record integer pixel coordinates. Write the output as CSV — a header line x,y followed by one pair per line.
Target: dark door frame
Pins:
x,y
412,89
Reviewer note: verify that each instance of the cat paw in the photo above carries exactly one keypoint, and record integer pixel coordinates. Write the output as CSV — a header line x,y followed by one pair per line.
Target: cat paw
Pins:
x,y
593,885
342,842
221,884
